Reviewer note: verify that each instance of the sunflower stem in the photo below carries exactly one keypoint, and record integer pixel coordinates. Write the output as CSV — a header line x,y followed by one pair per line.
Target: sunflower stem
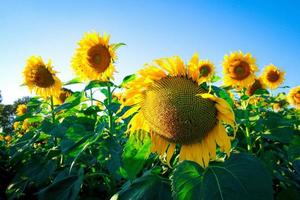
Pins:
x,y
91,96
110,118
53,116
248,139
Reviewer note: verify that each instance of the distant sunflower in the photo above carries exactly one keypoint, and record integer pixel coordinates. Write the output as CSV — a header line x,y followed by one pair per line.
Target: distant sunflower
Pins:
x,y
94,58
294,97
21,109
272,77
40,77
239,69
203,69
258,84
169,104
62,96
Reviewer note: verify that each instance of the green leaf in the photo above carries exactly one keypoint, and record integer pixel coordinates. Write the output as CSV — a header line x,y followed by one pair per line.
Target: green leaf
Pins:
x,y
241,177
127,79
117,45
73,81
223,94
71,102
64,187
215,79
284,135
97,84
135,155
148,187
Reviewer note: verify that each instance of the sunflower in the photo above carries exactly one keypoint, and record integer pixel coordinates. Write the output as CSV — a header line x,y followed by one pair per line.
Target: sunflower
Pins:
x,y
258,84
64,93
294,97
203,69
40,77
169,104
239,69
272,77
16,125
94,58
21,109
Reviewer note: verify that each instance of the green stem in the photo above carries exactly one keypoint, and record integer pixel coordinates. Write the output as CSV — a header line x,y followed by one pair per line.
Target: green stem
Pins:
x,y
248,139
110,118
52,110
91,96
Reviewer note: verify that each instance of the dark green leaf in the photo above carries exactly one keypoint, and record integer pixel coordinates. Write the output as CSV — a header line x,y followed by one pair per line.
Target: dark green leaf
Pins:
x,y
64,187
117,45
223,94
148,187
240,177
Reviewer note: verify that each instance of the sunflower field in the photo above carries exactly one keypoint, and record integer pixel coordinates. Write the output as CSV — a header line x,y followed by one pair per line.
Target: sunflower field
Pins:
x,y
173,130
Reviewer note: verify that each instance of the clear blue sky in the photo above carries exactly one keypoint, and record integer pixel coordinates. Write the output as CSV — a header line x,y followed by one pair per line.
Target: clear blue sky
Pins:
x,y
270,30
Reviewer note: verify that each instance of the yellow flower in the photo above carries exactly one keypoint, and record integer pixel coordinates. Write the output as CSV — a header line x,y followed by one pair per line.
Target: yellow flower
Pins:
x,y
62,96
239,69
203,69
272,77
8,138
169,104
21,109
16,125
94,58
26,125
294,97
258,84
40,77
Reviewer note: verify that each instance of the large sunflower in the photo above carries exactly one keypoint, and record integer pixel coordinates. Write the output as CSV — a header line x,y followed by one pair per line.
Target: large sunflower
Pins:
x,y
239,69
203,69
40,77
294,97
272,77
169,104
94,58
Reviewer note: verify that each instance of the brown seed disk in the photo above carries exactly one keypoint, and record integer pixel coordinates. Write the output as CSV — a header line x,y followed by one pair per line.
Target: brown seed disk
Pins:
x,y
239,70
42,77
173,110
99,58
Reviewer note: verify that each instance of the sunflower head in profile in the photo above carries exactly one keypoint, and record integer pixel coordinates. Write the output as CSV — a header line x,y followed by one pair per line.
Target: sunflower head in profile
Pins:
x,y
203,69
21,109
62,96
272,77
168,103
239,69
94,58
293,97
258,84
40,77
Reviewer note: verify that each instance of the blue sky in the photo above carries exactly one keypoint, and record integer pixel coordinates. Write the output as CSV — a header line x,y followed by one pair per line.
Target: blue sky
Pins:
x,y
270,30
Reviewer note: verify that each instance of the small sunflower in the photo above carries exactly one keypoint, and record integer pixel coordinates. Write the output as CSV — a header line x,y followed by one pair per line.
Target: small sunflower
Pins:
x,y
203,69
294,97
16,125
21,109
239,69
169,104
258,84
62,96
26,125
40,77
94,58
272,77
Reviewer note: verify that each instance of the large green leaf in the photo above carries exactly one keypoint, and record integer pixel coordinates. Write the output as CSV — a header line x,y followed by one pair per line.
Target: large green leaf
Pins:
x,y
241,177
64,187
223,94
97,84
148,187
71,102
135,154
73,81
